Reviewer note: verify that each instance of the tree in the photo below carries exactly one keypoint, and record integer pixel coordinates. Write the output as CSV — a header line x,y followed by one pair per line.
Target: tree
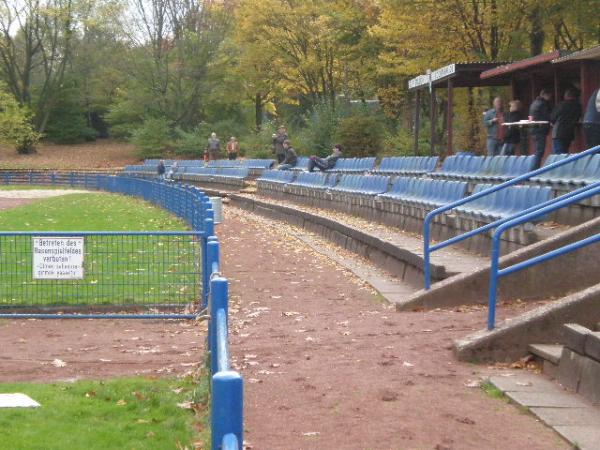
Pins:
x,y
35,45
15,124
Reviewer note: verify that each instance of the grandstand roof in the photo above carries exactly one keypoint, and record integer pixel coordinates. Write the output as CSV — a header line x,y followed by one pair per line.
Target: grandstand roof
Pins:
x,y
527,63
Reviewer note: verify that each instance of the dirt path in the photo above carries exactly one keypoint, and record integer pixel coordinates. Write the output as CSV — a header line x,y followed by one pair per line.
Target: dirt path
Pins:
x,y
328,366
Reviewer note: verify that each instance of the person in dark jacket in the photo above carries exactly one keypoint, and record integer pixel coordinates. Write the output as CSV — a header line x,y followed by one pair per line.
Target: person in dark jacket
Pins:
x,y
278,140
564,120
493,120
512,136
214,147
591,120
291,158
325,163
540,111
161,169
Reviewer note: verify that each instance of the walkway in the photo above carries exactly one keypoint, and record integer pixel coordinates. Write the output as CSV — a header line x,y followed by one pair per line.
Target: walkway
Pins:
x,y
328,365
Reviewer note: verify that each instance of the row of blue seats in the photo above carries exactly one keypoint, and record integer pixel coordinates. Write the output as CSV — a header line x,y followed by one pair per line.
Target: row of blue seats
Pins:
x,y
584,171
342,165
506,202
494,168
421,191
228,172
407,165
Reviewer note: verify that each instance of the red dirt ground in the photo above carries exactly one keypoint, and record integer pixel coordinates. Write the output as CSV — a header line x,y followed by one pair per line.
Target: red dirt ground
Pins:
x,y
328,366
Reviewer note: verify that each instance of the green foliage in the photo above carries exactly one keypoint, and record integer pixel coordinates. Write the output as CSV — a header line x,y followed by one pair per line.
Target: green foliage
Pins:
x,y
319,133
153,138
119,413
361,135
67,121
259,144
15,124
190,144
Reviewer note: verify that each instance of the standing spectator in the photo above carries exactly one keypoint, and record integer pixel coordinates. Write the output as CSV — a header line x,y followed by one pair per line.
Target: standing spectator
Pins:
x,y
512,135
161,169
540,111
591,120
278,139
325,163
493,120
290,156
214,147
233,148
564,120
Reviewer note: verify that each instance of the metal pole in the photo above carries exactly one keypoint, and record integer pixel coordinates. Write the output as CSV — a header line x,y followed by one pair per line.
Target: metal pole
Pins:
x,y
417,120
227,407
219,291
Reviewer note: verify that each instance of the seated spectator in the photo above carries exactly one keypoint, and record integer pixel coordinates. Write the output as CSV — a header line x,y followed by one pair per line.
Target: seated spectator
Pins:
x,y
160,169
325,163
291,158
512,135
171,171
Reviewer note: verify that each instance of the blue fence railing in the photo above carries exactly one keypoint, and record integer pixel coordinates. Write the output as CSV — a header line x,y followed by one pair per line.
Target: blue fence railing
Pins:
x,y
193,206
428,248
560,202
227,405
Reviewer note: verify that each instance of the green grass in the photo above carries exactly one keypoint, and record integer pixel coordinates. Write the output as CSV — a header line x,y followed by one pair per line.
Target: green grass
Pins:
x,y
492,391
89,212
119,270
127,413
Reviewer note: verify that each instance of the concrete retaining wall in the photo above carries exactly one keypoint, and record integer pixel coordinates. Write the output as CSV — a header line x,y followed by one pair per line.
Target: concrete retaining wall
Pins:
x,y
544,325
395,260
554,278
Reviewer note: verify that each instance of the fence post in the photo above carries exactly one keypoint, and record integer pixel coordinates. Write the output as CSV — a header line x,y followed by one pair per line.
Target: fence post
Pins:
x,y
227,407
219,296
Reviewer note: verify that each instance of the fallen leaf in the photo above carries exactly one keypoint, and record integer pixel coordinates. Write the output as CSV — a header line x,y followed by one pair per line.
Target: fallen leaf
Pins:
x,y
58,363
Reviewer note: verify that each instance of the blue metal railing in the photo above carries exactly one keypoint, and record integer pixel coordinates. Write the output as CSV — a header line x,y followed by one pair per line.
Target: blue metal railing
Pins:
x,y
192,205
428,248
227,406
496,272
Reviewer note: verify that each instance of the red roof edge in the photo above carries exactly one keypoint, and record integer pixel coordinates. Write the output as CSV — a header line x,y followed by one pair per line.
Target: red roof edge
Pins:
x,y
524,63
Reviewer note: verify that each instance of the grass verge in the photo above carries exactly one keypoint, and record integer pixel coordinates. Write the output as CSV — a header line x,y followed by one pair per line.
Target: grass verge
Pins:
x,y
124,413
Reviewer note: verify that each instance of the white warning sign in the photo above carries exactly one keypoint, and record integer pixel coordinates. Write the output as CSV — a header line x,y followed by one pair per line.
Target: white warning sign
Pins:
x,y
58,258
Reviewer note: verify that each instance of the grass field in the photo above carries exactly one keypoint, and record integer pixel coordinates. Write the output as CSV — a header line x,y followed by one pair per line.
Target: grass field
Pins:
x,y
119,270
128,413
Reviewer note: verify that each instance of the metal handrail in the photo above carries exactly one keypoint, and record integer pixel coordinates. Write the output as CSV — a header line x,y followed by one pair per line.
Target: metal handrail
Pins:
x,y
428,249
495,272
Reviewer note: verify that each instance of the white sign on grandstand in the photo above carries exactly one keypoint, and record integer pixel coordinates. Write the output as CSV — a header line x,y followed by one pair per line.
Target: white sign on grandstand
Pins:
x,y
58,258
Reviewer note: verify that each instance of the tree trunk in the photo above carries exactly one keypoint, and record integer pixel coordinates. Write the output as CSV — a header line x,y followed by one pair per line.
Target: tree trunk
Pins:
x,y
537,36
258,111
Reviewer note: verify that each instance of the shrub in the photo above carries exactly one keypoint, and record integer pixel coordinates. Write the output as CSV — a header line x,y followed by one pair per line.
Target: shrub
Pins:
x,y
259,145
15,124
190,144
361,135
153,138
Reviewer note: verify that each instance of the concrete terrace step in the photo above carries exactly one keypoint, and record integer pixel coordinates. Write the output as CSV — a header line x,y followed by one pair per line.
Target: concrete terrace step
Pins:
x,y
547,352
398,252
571,416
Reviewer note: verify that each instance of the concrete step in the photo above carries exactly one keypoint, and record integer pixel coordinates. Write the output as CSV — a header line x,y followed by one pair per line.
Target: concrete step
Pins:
x,y
547,352
570,415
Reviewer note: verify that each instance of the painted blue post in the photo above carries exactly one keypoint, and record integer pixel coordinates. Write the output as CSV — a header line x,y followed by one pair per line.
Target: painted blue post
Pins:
x,y
227,407
493,281
219,295
213,255
426,252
